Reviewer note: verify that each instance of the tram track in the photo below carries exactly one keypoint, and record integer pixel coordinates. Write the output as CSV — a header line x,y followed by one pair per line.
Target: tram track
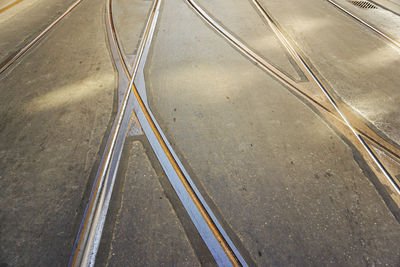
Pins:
x,y
217,240
331,108
84,252
380,33
90,231
14,57
339,107
6,7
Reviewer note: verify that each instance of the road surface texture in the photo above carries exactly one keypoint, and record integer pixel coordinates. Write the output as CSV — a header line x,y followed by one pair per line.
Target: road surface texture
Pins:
x,y
291,189
22,21
147,231
56,107
343,53
279,180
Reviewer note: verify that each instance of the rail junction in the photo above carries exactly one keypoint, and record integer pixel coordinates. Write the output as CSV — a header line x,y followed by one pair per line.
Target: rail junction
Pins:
x,y
199,132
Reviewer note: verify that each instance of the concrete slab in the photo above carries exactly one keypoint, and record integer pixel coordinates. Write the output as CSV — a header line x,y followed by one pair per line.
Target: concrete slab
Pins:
x,y
289,188
242,20
55,108
147,231
358,65
130,19
392,5
22,22
384,20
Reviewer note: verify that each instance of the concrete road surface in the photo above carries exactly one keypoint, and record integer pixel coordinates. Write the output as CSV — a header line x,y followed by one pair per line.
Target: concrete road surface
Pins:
x,y
55,107
286,185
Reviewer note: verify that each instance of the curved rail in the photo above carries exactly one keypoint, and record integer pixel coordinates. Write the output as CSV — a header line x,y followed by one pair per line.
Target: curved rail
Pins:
x,y
167,154
86,243
10,5
290,83
85,249
319,84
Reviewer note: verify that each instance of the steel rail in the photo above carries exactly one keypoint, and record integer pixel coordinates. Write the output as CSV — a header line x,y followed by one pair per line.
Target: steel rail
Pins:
x,y
96,211
299,58
114,36
10,5
376,30
85,248
389,6
217,228
289,82
390,149
6,64
211,221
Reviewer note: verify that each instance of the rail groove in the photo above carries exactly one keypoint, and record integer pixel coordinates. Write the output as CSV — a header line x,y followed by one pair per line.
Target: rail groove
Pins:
x,y
10,5
293,50
6,64
85,249
295,87
366,24
88,238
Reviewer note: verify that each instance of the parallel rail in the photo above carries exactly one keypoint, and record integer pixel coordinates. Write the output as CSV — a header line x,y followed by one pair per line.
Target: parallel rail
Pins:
x,y
294,51
84,253
296,87
8,62
88,238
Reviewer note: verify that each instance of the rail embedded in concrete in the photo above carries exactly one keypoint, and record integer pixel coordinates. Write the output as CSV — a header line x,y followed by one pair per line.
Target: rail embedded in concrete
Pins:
x,y
88,238
287,81
213,234
10,5
87,242
292,49
373,28
8,62
388,5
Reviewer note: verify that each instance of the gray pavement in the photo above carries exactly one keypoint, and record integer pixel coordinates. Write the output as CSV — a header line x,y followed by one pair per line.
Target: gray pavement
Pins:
x,y
55,109
130,18
248,26
22,22
287,188
291,189
147,231
356,63
392,5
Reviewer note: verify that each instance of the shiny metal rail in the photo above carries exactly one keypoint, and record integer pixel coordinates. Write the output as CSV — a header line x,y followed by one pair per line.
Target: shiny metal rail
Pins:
x,y
4,8
292,49
212,232
289,82
299,88
88,238
6,64
366,24
214,236
389,5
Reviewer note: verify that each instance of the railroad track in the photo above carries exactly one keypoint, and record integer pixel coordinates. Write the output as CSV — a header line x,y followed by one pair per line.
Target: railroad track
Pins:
x,y
382,34
213,234
4,8
14,57
220,245
86,245
334,111
336,103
